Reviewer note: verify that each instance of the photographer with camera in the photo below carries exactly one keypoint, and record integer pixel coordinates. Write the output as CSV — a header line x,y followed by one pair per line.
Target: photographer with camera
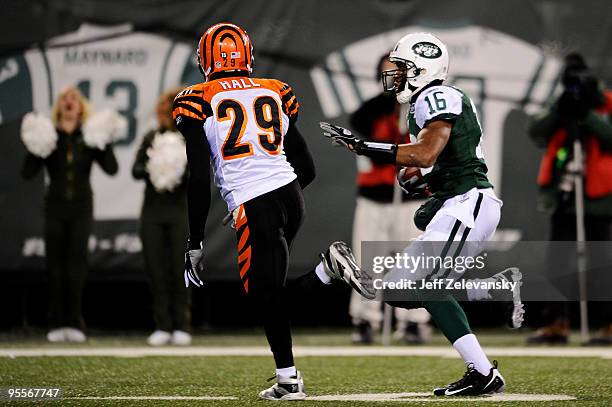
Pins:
x,y
583,113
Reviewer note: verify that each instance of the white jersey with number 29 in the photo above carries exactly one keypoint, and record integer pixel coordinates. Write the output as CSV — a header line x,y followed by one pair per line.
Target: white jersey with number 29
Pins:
x,y
245,121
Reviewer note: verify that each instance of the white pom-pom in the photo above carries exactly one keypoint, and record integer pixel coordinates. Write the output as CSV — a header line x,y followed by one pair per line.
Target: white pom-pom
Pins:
x,y
167,161
104,127
38,134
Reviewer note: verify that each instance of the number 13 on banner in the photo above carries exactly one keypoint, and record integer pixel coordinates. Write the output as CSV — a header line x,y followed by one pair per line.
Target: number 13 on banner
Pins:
x,y
129,108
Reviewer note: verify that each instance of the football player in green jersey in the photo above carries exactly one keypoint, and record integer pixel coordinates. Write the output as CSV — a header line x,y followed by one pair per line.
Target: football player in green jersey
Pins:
x,y
444,160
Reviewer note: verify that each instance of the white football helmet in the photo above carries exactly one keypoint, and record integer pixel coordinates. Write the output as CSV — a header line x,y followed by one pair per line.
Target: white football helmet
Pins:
x,y
421,58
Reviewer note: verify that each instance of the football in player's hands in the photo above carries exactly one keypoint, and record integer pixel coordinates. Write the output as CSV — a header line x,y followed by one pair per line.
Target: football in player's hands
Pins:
x,y
407,173
339,135
412,182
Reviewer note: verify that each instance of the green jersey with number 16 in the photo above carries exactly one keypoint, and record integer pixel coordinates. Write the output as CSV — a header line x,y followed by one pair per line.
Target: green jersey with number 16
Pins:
x,y
460,166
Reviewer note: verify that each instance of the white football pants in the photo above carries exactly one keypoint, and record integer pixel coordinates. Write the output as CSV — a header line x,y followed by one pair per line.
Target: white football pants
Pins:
x,y
471,217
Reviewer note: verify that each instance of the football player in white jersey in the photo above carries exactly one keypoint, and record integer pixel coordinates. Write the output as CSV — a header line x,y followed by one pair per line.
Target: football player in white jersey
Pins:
x,y
245,127
444,159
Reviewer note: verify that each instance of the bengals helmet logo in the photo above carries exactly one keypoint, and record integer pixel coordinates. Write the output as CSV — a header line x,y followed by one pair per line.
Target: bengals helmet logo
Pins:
x,y
427,50
225,47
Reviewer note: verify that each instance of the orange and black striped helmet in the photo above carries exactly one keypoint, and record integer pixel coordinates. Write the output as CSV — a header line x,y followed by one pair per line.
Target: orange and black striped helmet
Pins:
x,y
225,47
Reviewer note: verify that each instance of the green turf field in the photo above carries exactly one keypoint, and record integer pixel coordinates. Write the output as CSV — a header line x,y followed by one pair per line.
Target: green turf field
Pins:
x,y
587,379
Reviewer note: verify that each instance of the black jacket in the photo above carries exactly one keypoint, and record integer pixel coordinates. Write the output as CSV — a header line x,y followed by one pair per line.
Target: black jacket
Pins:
x,y
69,168
158,204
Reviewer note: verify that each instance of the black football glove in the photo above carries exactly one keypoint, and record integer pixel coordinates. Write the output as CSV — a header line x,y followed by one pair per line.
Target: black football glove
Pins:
x,y
413,183
340,135
382,152
194,263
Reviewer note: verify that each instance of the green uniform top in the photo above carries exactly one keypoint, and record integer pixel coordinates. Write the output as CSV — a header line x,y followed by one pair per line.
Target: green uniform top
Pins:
x,y
460,166
69,167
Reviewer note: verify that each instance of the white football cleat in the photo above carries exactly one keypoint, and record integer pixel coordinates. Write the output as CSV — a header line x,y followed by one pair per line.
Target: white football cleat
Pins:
x,y
516,310
285,388
159,338
181,338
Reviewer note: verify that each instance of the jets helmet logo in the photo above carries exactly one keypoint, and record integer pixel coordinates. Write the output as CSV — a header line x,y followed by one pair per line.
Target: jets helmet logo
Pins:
x,y
427,50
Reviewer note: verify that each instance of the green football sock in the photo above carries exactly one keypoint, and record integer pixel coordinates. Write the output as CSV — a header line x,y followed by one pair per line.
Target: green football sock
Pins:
x,y
449,317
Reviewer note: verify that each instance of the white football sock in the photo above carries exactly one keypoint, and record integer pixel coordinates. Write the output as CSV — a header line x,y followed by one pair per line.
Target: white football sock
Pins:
x,y
320,270
286,371
471,352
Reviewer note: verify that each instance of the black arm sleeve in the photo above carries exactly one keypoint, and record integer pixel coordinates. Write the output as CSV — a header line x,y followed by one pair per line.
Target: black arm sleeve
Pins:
x,y
31,166
139,169
198,186
107,160
299,156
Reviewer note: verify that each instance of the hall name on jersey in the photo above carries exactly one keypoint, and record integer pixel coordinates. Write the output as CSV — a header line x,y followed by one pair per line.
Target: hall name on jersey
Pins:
x,y
239,84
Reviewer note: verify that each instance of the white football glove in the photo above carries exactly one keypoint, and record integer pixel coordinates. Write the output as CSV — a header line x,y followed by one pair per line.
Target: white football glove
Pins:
x,y
194,263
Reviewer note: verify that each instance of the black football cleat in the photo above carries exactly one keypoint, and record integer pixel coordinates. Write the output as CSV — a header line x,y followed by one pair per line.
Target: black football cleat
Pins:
x,y
474,383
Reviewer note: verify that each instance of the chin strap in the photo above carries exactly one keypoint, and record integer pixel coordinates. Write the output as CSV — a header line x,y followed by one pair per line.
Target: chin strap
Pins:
x,y
404,96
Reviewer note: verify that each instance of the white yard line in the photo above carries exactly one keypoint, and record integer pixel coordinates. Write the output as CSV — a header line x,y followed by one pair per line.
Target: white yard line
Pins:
x,y
384,397
427,397
436,351
153,398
